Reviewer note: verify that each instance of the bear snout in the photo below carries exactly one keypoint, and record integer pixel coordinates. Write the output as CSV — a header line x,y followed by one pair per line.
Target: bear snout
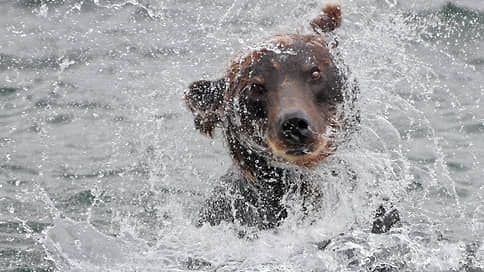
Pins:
x,y
295,130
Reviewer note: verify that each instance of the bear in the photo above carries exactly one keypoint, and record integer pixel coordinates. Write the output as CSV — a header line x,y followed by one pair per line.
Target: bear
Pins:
x,y
279,107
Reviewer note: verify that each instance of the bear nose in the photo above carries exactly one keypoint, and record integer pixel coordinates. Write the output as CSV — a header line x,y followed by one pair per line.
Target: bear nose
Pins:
x,y
295,127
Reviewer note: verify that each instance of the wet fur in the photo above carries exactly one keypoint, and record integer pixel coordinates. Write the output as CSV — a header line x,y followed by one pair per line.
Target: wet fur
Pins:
x,y
251,193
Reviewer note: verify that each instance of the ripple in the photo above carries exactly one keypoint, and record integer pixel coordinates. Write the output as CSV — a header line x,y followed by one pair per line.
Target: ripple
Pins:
x,y
13,62
21,227
4,91
82,198
197,264
30,259
477,62
85,104
80,201
457,166
167,116
4,141
88,105
38,3
119,118
19,168
60,119
35,128
55,62
44,102
137,171
164,52
477,128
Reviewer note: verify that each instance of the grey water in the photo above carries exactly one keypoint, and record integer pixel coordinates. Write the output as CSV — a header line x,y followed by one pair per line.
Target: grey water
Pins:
x,y
102,170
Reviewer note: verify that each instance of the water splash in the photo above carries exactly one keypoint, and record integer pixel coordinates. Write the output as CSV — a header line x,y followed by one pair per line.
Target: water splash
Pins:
x,y
120,191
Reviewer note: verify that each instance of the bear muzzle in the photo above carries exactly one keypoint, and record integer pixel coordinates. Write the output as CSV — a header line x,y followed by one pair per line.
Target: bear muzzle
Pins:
x,y
295,130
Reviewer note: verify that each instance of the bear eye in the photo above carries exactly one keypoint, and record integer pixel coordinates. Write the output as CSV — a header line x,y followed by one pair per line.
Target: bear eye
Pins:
x,y
253,104
315,73
256,88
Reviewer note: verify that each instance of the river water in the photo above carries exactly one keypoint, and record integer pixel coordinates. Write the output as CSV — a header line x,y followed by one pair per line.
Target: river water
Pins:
x,y
102,170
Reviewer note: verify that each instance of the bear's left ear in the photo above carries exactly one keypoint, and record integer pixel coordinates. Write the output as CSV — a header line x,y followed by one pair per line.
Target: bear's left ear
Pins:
x,y
328,20
205,98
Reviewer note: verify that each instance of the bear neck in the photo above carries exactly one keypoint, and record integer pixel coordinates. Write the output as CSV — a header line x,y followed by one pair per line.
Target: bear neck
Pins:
x,y
256,166
263,185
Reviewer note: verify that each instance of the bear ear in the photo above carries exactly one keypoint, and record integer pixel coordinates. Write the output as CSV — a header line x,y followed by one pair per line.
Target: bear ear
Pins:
x,y
328,19
205,98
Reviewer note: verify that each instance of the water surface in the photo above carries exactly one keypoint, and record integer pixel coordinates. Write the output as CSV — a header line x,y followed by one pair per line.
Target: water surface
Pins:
x,y
102,170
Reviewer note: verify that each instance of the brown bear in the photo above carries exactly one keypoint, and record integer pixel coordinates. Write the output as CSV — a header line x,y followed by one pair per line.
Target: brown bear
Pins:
x,y
280,109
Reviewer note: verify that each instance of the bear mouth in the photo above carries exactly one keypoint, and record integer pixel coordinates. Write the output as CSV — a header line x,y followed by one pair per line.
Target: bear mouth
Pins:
x,y
304,155
300,150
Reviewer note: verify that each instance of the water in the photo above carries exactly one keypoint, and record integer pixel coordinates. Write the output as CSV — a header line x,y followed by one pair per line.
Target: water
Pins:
x,y
102,170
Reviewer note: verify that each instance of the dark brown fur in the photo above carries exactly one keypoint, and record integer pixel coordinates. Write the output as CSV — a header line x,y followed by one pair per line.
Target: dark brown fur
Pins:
x,y
277,105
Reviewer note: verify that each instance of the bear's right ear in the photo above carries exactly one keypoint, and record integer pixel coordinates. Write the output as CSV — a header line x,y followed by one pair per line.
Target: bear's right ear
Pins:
x,y
205,98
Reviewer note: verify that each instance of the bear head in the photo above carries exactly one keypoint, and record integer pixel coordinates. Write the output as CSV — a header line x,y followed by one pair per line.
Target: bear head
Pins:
x,y
279,103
